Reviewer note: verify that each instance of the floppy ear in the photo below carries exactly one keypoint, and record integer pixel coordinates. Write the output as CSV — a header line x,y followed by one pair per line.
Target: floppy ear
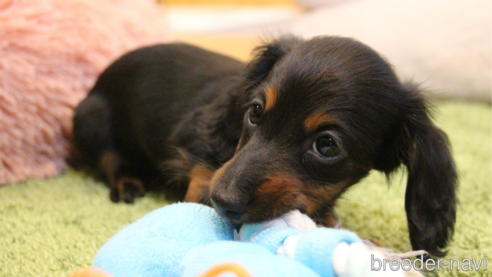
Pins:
x,y
265,57
430,199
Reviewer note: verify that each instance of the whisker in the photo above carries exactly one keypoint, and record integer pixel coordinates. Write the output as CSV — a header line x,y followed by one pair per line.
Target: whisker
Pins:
x,y
196,158
204,198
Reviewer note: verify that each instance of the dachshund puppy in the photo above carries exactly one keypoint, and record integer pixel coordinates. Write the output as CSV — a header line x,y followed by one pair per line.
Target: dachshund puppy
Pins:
x,y
293,129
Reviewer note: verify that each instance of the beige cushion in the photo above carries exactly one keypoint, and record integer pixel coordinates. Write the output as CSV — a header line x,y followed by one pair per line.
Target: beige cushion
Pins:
x,y
445,44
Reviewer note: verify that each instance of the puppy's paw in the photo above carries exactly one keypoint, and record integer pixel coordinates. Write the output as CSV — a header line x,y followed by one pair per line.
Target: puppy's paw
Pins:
x,y
127,189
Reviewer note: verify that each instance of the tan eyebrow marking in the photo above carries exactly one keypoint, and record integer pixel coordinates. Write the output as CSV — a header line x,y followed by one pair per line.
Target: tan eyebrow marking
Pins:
x,y
271,95
316,120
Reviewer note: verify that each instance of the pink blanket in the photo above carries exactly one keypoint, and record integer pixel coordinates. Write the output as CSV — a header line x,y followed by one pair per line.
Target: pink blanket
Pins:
x,y
51,52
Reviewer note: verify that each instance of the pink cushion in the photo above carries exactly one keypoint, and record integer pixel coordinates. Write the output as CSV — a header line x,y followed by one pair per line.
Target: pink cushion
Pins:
x,y
51,52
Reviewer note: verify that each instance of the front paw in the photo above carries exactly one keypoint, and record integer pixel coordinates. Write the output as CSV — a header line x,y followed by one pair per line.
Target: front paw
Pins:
x,y
127,189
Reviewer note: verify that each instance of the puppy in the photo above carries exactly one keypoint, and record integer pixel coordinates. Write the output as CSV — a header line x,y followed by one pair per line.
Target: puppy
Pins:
x,y
293,129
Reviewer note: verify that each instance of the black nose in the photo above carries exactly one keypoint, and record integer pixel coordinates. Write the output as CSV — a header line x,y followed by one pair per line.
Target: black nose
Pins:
x,y
229,207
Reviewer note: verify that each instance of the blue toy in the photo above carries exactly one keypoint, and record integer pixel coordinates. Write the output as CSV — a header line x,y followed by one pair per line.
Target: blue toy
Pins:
x,y
184,240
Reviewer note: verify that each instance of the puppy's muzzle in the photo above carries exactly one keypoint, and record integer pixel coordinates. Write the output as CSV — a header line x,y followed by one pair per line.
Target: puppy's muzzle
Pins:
x,y
230,205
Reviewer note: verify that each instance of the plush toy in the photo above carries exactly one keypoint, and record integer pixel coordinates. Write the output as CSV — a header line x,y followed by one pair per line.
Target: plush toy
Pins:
x,y
192,240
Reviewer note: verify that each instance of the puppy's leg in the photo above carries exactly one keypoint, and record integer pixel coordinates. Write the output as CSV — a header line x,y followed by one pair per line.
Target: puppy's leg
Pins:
x,y
127,189
198,188
93,150
123,186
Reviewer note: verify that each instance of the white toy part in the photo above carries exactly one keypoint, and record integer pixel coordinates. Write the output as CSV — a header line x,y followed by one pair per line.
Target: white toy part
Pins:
x,y
348,260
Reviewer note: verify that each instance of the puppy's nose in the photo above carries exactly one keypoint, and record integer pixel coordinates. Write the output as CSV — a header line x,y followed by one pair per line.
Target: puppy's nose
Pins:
x,y
230,207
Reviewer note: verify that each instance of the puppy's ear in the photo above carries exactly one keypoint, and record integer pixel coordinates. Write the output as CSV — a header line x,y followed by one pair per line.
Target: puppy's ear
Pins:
x,y
265,57
430,199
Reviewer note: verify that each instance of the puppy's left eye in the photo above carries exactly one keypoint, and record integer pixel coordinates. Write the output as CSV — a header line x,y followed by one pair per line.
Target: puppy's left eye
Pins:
x,y
255,113
327,147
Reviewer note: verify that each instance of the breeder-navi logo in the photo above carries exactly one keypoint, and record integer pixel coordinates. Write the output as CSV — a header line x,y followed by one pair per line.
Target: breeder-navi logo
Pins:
x,y
429,265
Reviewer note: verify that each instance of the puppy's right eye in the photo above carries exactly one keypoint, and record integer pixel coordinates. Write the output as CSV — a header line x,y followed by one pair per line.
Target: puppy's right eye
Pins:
x,y
326,146
255,113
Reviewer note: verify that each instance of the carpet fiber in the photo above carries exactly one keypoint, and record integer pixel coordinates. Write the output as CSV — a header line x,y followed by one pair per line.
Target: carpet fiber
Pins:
x,y
52,227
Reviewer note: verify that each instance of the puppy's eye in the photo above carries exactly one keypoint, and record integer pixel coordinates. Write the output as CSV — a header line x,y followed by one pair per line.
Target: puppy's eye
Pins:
x,y
326,146
255,113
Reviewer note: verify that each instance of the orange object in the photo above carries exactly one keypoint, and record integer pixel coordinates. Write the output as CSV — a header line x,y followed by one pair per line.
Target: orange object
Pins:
x,y
90,272
216,270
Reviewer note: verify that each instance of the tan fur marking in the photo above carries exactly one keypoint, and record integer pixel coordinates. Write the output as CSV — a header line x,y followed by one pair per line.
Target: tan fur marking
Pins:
x,y
120,186
316,120
329,219
280,189
200,177
271,96
277,184
109,163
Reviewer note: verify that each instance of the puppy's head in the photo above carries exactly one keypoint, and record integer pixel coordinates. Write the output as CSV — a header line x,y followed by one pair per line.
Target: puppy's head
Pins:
x,y
323,113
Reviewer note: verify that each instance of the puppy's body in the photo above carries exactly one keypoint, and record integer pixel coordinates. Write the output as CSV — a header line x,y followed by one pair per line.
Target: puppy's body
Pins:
x,y
146,120
293,129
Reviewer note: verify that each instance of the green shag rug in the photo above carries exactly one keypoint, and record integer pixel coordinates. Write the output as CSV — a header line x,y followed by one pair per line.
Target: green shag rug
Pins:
x,y
52,227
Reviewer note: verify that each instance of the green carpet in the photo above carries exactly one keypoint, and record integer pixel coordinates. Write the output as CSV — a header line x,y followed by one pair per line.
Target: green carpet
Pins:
x,y
52,227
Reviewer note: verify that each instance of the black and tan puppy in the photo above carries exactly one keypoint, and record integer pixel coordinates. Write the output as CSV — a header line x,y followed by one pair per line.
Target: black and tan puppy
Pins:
x,y
293,129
